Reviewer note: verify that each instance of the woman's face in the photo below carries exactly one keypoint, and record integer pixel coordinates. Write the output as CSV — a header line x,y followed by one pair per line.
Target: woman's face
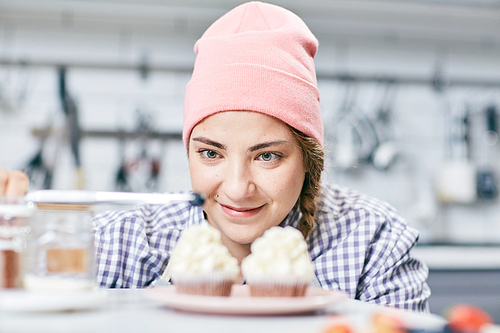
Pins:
x,y
251,170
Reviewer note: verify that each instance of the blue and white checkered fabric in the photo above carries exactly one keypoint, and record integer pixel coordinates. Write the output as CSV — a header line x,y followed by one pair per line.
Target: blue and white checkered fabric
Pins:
x,y
361,245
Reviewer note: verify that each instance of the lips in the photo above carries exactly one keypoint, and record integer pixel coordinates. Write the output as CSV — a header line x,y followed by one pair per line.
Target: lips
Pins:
x,y
241,212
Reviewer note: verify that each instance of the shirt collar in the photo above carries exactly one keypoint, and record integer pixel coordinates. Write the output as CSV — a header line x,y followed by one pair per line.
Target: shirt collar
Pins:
x,y
196,216
293,218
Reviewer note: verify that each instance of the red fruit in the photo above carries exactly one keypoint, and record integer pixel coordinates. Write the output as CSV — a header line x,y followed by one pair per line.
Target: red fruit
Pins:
x,y
467,318
338,328
387,323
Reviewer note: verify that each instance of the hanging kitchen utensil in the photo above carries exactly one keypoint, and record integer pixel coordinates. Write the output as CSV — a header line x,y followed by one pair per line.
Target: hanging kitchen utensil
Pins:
x,y
355,134
364,138
71,111
121,180
386,151
366,141
14,88
152,182
486,181
341,132
140,174
39,172
455,179
366,134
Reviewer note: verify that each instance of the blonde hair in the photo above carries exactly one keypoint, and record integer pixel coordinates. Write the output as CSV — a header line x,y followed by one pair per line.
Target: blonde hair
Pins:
x,y
314,160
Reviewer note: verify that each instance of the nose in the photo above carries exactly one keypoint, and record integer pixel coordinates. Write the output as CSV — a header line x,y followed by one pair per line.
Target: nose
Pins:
x,y
238,183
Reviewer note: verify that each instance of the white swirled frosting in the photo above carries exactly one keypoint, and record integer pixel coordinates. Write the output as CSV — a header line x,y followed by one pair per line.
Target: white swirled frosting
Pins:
x,y
201,252
280,252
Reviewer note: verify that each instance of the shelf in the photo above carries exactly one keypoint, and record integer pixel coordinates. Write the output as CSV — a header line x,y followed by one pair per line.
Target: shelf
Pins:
x,y
166,136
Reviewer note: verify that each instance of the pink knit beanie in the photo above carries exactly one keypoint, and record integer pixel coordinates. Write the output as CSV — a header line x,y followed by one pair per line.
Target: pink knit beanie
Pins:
x,y
257,57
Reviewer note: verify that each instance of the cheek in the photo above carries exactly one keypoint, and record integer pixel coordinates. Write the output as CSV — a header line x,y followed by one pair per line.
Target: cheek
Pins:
x,y
284,184
293,184
196,174
202,177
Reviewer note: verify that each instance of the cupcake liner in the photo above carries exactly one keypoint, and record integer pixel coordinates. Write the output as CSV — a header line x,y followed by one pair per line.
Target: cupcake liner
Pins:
x,y
203,285
278,290
286,287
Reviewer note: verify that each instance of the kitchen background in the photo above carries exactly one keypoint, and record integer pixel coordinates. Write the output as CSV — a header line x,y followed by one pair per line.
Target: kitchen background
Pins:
x,y
91,96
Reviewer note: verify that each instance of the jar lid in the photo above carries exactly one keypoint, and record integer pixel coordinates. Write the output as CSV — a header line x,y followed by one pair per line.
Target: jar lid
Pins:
x,y
10,208
63,207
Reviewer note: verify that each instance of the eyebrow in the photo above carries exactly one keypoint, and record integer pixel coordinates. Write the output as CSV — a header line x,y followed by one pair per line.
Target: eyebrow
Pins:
x,y
266,145
251,149
210,142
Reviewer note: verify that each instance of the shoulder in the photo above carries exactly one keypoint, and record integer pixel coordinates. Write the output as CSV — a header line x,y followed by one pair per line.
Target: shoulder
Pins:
x,y
361,234
346,216
340,203
342,200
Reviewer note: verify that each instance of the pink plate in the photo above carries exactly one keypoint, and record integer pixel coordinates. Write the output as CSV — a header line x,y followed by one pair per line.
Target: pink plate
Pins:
x,y
241,303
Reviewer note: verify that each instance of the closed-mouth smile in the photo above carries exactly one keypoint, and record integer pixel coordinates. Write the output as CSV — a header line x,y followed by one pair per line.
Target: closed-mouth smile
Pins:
x,y
241,212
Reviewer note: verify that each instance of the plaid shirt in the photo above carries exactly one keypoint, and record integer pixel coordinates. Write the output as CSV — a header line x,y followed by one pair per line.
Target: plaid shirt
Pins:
x,y
360,245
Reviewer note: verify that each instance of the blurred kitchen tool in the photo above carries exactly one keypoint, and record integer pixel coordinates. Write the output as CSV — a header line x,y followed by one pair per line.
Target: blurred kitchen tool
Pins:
x,y
354,133
364,138
141,173
71,111
121,179
486,183
107,197
39,172
387,150
344,156
455,179
456,182
14,88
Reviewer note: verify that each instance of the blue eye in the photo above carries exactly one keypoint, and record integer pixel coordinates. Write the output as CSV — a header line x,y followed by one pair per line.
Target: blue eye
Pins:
x,y
209,154
268,157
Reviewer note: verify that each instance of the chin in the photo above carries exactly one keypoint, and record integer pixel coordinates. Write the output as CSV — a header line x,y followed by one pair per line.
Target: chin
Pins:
x,y
242,234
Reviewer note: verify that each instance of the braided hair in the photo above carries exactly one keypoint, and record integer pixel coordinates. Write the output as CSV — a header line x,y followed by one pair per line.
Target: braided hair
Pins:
x,y
313,155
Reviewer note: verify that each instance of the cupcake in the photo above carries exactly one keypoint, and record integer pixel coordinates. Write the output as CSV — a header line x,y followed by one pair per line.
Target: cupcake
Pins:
x,y
201,264
279,264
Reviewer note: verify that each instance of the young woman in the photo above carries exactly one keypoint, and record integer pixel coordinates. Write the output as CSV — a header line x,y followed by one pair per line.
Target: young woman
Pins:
x,y
254,138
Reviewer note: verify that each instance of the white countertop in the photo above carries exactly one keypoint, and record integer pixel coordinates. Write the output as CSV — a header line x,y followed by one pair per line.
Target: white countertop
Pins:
x,y
459,257
129,311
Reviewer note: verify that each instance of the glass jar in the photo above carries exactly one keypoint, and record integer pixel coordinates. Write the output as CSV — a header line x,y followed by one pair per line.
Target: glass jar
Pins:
x,y
60,254
14,230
